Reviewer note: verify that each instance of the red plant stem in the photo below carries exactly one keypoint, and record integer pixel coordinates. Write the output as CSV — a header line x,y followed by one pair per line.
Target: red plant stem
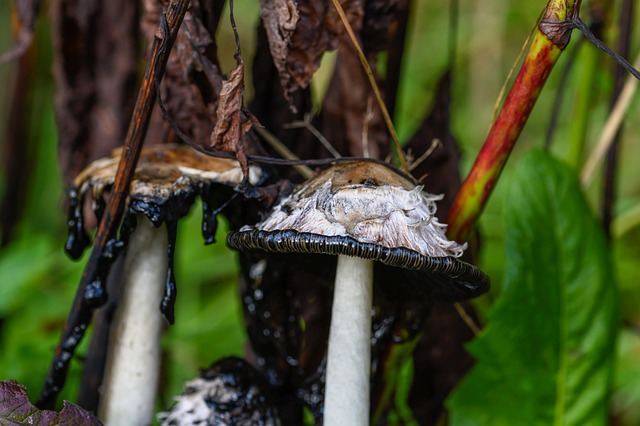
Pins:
x,y
549,39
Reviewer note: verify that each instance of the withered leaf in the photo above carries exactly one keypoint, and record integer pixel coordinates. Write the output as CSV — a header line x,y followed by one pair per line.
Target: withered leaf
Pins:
x,y
441,167
316,30
15,409
351,118
279,18
191,84
231,126
24,19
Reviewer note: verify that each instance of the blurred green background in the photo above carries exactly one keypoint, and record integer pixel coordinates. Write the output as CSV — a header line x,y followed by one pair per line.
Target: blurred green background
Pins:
x,y
38,281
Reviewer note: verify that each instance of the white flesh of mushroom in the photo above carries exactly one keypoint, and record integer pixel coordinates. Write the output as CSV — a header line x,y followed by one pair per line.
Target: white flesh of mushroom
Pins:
x,y
133,362
346,400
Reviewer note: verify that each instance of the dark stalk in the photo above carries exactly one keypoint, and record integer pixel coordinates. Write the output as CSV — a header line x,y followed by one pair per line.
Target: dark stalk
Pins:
x,y
15,145
91,294
396,53
624,42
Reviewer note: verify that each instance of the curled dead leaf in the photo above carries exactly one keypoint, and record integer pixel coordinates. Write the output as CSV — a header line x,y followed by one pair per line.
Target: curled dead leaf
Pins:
x,y
279,18
24,21
301,32
232,121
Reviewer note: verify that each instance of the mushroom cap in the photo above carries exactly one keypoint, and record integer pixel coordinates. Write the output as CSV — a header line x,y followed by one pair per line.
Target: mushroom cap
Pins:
x,y
369,210
163,171
167,180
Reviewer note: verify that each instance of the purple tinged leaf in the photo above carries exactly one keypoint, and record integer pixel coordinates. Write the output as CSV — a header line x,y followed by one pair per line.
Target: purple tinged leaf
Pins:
x,y
15,409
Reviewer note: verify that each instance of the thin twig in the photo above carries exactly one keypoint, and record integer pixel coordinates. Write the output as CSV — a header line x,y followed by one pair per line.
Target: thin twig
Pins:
x,y
434,144
236,36
374,85
610,128
307,124
475,328
282,150
606,49
368,116
505,85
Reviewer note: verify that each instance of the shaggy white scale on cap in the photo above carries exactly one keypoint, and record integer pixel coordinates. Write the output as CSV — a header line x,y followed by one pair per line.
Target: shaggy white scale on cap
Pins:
x,y
372,211
192,408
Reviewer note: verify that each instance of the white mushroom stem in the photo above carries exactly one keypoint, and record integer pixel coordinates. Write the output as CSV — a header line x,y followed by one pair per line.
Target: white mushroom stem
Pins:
x,y
133,362
346,399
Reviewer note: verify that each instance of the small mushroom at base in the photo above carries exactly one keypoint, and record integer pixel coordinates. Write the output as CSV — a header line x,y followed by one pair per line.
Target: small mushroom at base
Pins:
x,y
362,212
230,392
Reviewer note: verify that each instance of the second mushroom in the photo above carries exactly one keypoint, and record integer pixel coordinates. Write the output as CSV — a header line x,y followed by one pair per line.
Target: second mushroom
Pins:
x,y
167,180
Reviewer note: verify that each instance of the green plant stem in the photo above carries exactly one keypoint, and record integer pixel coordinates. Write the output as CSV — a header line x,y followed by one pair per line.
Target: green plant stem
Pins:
x,y
397,357
626,221
583,103
549,40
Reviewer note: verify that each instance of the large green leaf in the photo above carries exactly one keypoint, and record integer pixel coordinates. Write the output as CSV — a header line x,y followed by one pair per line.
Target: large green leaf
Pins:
x,y
546,356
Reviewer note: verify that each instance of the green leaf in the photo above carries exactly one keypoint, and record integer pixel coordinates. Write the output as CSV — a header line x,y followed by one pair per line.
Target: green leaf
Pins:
x,y
24,264
626,398
546,355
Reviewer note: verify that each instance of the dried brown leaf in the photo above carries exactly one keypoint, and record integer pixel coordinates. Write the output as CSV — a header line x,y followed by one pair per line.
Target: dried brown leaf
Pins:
x,y
279,18
191,84
231,125
24,22
317,30
440,169
16,409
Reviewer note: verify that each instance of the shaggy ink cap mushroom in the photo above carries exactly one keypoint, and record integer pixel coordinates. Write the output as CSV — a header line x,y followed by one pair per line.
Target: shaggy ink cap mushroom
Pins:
x,y
363,212
167,180
373,211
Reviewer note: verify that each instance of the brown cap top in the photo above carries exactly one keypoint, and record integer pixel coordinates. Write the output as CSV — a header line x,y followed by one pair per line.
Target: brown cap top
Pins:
x,y
368,210
163,171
